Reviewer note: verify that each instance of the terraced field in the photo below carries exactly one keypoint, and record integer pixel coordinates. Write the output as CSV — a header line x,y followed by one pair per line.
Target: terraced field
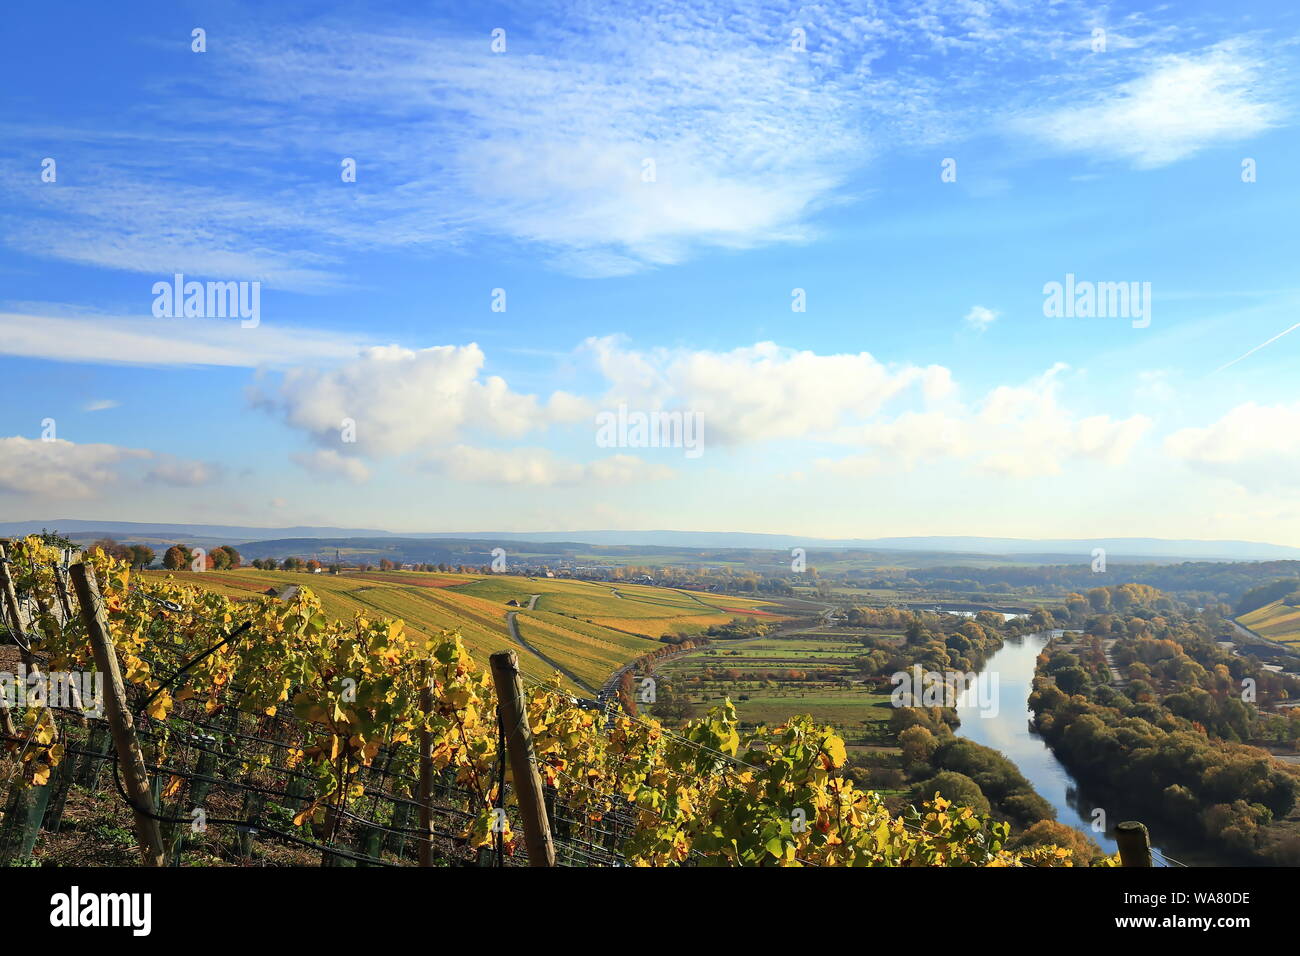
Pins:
x,y
1277,622
587,628
771,679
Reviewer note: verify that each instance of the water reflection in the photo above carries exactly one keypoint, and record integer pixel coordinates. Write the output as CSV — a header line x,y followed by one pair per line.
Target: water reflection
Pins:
x,y
1008,729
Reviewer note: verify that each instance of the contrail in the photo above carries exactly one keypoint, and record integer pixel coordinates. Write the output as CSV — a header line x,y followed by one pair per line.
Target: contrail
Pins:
x,y
1258,347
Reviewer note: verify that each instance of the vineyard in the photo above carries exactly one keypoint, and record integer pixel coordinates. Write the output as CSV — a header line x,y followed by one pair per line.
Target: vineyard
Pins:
x,y
586,628
256,731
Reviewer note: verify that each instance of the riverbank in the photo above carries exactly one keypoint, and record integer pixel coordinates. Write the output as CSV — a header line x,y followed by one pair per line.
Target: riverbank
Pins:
x,y
1008,729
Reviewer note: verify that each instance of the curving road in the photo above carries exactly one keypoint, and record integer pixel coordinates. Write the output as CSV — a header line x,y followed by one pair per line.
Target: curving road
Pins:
x,y
514,633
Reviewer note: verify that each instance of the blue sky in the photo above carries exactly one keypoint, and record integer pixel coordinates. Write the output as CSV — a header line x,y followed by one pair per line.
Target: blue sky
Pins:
x,y
648,187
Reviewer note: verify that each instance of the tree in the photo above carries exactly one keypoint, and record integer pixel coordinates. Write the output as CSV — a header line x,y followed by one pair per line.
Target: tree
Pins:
x,y
918,745
1099,598
955,787
177,558
1051,833
142,556
225,557
55,540
1077,605
112,549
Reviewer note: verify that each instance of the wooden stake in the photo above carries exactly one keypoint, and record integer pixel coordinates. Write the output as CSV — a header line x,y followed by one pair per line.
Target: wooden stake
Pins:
x,y
1134,844
523,760
135,776
13,610
425,838
6,717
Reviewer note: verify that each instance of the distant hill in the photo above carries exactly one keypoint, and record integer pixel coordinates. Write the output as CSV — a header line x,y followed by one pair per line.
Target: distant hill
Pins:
x,y
1022,549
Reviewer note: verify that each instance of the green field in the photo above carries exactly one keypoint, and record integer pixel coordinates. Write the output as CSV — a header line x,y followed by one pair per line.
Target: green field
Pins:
x,y
1277,621
774,678
588,628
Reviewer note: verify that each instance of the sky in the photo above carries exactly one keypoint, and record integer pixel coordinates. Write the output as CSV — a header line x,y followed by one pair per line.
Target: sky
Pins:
x,y
822,236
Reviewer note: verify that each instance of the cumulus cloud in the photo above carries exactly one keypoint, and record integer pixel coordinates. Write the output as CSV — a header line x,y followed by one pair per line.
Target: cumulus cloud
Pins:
x,y
59,469
539,466
1254,445
760,392
395,400
328,463
1014,432
1182,104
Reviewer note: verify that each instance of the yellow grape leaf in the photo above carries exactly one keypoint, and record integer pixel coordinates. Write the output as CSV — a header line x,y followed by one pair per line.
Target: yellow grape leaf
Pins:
x,y
835,750
306,814
173,786
160,706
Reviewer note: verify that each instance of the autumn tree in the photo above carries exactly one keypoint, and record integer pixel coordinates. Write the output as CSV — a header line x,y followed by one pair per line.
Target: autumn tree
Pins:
x,y
225,557
114,550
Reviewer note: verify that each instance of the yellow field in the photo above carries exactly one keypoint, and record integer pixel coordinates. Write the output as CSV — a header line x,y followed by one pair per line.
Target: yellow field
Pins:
x,y
588,628
1277,622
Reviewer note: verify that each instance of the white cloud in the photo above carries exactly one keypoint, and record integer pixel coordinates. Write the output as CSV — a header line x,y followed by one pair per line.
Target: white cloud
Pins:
x,y
59,469
328,463
1184,103
1014,432
1256,446
100,405
760,392
401,400
539,466
546,144
152,341
980,318
183,473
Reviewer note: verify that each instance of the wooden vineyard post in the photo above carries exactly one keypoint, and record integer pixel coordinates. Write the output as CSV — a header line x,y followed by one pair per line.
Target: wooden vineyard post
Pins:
x,y
523,760
1134,844
135,777
425,838
6,717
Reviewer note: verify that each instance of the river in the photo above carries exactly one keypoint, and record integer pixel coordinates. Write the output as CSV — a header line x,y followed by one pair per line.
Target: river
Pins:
x,y
1009,732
